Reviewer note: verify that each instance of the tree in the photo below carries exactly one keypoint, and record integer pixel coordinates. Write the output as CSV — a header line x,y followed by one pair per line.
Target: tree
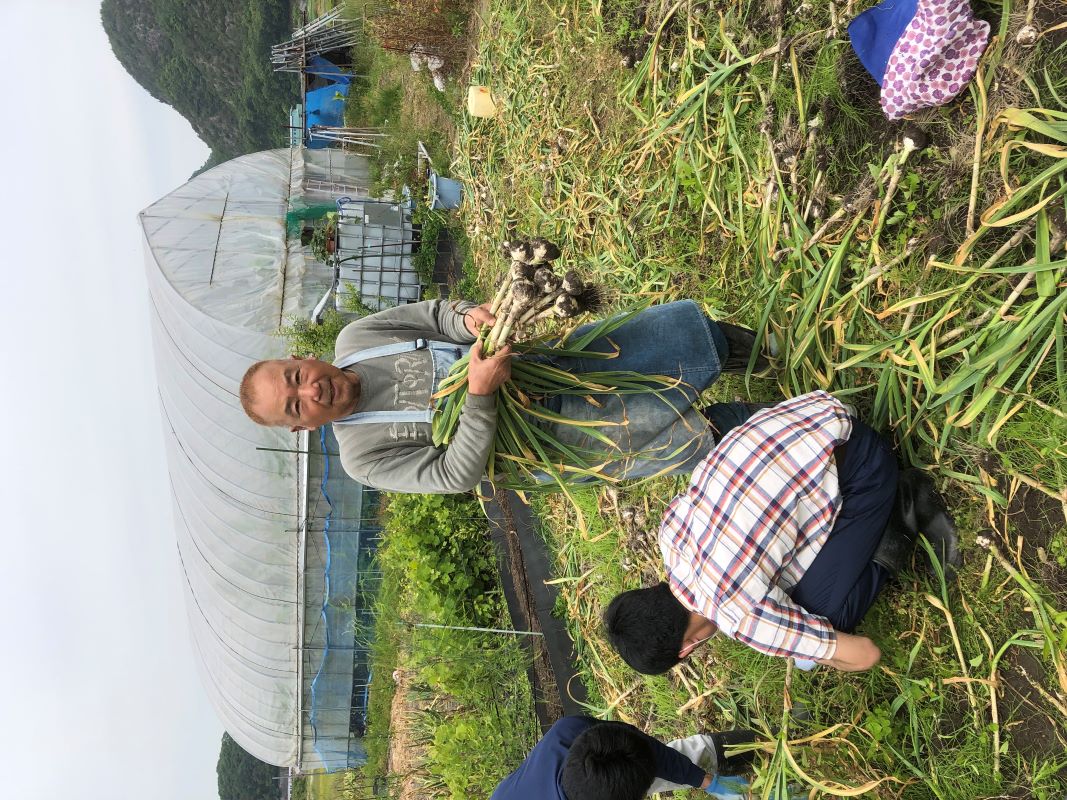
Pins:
x,y
243,776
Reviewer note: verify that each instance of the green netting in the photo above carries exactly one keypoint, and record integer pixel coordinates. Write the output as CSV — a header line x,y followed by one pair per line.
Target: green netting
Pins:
x,y
300,212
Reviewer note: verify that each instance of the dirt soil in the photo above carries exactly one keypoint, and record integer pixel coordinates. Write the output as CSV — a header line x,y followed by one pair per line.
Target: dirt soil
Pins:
x,y
1033,733
404,754
1036,518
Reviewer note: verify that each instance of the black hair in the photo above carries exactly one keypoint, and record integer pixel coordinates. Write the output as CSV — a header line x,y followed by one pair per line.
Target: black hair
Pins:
x,y
647,628
609,761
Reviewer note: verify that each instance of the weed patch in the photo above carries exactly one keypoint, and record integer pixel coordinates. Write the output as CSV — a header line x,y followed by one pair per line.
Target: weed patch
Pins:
x,y
390,96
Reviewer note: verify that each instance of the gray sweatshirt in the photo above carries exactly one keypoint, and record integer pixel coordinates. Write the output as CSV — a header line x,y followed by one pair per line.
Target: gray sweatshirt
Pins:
x,y
655,433
401,457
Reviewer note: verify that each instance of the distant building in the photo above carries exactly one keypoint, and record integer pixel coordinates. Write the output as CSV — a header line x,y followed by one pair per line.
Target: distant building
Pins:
x,y
275,542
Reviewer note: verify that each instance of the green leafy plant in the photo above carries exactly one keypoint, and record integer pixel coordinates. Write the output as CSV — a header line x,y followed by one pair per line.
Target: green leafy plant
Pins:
x,y
352,302
466,752
305,338
447,559
322,240
434,224
468,698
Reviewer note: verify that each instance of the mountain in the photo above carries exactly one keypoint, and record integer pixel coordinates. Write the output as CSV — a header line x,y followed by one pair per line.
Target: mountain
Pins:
x,y
210,60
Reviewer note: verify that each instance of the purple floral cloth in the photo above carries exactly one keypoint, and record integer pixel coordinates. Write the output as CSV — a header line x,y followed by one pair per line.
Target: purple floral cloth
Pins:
x,y
935,58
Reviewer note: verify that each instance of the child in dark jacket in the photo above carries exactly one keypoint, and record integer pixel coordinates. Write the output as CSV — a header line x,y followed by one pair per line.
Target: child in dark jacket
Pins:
x,y
581,758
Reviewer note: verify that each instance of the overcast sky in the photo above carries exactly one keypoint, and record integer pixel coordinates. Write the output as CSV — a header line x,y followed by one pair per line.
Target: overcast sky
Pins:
x,y
100,694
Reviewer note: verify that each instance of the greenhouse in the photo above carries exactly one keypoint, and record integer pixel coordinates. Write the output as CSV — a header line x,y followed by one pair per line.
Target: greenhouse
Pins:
x,y
276,544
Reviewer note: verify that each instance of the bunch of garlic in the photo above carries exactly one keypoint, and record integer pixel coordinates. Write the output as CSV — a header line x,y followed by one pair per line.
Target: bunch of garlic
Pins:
x,y
532,290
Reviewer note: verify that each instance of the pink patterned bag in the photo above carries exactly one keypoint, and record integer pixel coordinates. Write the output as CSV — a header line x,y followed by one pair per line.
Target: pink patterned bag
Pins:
x,y
935,58
922,52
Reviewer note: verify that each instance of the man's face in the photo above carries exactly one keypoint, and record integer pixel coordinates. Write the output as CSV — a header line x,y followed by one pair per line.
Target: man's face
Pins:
x,y
303,393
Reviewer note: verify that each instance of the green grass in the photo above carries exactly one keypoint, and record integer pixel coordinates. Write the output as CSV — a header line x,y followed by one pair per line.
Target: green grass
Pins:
x,y
695,175
316,8
325,786
385,657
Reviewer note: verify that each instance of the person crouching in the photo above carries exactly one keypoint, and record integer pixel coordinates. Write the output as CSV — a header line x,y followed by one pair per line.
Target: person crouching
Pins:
x,y
783,540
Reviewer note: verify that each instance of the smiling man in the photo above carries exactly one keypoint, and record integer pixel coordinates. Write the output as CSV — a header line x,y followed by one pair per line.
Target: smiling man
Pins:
x,y
378,393
305,393
785,537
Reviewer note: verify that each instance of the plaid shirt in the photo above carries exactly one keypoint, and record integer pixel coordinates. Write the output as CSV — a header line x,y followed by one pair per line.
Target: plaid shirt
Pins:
x,y
756,513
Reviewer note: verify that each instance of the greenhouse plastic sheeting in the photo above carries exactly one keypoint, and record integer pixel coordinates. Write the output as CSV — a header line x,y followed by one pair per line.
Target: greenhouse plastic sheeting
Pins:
x,y
329,173
219,240
221,277
235,512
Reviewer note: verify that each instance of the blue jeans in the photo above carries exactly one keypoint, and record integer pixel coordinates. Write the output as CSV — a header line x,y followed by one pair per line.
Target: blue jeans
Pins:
x,y
663,433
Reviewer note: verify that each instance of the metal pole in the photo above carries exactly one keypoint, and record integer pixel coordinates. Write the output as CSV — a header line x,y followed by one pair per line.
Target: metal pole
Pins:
x,y
298,452
465,628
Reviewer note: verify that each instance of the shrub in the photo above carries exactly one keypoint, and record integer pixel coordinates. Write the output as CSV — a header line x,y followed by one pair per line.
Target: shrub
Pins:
x,y
433,222
467,752
313,339
442,546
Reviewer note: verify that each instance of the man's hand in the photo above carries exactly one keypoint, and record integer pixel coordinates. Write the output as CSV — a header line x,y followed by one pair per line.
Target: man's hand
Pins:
x,y
474,318
854,653
486,375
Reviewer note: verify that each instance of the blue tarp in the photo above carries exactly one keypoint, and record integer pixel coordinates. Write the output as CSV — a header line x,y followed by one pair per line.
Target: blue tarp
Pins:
x,y
317,65
326,106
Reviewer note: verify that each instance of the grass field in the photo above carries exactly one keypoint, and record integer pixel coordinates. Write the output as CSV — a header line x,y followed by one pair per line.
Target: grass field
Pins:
x,y
324,786
743,161
315,9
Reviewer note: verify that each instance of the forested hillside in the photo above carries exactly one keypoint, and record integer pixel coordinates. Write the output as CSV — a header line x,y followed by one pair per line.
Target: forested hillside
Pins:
x,y
209,59
243,776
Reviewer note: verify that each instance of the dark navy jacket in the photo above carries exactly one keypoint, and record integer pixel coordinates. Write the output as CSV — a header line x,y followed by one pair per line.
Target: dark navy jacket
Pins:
x,y
537,778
